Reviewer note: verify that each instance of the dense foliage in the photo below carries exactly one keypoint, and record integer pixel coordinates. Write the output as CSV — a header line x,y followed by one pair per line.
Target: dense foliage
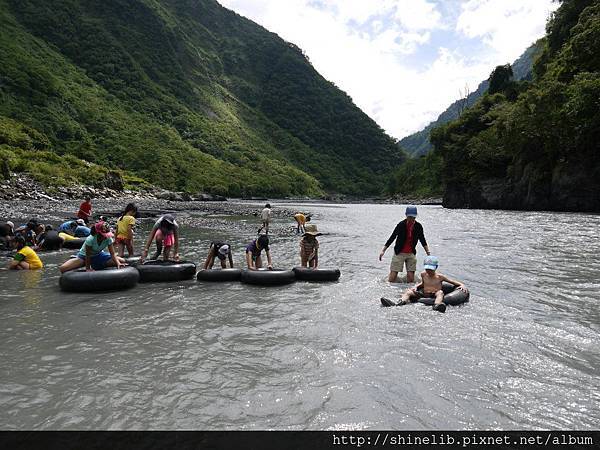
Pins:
x,y
184,94
528,133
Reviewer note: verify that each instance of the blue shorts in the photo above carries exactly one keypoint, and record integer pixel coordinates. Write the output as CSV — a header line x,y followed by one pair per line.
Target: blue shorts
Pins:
x,y
99,261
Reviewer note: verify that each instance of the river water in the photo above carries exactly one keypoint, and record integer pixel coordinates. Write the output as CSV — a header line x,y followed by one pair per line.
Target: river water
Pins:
x,y
523,354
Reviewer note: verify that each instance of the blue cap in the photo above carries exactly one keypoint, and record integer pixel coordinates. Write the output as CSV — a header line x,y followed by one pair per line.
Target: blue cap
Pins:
x,y
411,211
431,262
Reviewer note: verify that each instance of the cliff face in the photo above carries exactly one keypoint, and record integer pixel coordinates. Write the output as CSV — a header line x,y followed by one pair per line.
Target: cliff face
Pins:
x,y
571,186
534,145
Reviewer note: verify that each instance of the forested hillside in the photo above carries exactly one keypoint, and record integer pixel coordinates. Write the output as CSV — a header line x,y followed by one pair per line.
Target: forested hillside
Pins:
x,y
184,94
533,145
419,144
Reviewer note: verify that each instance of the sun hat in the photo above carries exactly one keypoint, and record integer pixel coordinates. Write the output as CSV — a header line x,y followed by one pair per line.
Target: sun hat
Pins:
x,y
431,262
103,229
312,230
411,211
224,249
80,222
169,218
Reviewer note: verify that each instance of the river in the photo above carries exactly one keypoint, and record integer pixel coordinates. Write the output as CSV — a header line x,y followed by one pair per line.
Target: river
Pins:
x,y
523,354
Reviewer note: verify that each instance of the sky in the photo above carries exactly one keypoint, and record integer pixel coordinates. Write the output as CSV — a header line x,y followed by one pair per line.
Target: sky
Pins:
x,y
403,62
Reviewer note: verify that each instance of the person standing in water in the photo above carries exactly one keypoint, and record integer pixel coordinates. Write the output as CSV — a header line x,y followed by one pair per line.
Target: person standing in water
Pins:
x,y
125,225
166,233
85,210
407,234
301,220
253,251
309,247
266,218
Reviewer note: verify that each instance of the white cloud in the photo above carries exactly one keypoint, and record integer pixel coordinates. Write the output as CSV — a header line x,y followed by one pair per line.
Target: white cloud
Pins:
x,y
362,46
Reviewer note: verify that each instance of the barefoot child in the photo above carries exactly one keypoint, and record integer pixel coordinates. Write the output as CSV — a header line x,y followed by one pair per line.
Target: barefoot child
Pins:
x,y
125,225
430,286
309,247
219,250
25,258
301,220
253,251
166,232
266,218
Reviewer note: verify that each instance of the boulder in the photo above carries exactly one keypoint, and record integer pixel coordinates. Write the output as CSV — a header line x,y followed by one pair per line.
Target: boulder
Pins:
x,y
113,180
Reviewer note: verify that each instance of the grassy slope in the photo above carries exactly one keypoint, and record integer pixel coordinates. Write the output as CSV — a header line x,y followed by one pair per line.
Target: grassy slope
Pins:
x,y
184,94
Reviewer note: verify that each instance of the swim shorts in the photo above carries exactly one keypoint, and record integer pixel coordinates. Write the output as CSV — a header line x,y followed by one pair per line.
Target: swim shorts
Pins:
x,y
99,261
401,259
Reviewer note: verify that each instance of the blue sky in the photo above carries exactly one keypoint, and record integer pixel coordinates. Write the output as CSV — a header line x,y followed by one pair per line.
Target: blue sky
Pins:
x,y
403,61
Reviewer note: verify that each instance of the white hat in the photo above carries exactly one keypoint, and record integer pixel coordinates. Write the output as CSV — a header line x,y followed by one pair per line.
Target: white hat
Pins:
x,y
80,222
224,249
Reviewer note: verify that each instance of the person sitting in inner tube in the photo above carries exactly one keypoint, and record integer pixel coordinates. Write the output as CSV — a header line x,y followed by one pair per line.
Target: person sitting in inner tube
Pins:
x,y
309,247
49,240
7,234
165,231
221,251
125,225
92,254
253,251
430,286
25,258
301,220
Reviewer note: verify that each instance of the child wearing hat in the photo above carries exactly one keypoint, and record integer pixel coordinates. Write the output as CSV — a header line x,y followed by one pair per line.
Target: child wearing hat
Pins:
x,y
166,233
430,286
219,250
25,258
92,254
309,247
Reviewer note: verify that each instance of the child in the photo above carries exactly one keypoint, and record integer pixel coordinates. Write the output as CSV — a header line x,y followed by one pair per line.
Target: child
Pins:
x,y
221,251
430,286
309,247
25,258
92,254
165,231
301,220
266,218
253,251
125,225
85,210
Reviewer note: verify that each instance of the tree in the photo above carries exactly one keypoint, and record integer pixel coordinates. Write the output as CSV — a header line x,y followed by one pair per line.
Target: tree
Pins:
x,y
500,78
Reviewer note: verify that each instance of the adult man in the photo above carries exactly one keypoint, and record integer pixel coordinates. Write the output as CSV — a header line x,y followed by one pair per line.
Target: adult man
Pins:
x,y
407,233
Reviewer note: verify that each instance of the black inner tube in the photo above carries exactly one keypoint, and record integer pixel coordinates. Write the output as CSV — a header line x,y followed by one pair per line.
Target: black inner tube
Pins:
x,y
73,243
307,274
268,277
219,275
111,279
166,271
452,296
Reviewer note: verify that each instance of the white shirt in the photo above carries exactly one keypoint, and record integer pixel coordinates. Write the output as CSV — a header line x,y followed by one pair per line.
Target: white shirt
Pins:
x,y
266,214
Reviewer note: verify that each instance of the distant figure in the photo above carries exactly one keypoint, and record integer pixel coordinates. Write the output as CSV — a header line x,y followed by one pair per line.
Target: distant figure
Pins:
x,y
407,233
309,247
25,258
125,225
254,250
70,225
266,218
166,233
7,233
85,210
92,254
301,220
49,240
221,251
430,286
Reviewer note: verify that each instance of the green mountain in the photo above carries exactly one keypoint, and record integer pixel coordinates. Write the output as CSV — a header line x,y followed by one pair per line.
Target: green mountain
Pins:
x,y
418,144
184,94
533,145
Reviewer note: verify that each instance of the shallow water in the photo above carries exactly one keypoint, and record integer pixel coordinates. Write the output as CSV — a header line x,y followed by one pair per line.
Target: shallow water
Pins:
x,y
522,354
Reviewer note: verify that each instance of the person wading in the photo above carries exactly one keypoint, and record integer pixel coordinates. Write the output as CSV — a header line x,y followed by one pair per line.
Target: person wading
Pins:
x,y
407,233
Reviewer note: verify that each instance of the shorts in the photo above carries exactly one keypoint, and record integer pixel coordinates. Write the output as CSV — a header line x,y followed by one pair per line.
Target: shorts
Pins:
x,y
418,293
123,240
399,260
99,261
168,240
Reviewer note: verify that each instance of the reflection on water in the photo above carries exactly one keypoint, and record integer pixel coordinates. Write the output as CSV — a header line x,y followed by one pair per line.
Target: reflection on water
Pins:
x,y
522,354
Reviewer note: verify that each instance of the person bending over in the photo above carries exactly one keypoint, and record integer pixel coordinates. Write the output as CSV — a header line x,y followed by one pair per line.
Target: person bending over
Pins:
x,y
25,258
166,233
221,251
254,250
309,247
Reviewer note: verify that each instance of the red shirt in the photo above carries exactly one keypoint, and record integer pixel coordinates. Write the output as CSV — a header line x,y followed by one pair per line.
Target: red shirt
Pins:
x,y
407,247
85,210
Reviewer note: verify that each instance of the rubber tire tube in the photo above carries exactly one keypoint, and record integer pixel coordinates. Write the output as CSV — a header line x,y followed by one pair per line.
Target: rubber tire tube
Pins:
x,y
73,244
166,271
306,274
219,275
452,296
111,279
268,277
